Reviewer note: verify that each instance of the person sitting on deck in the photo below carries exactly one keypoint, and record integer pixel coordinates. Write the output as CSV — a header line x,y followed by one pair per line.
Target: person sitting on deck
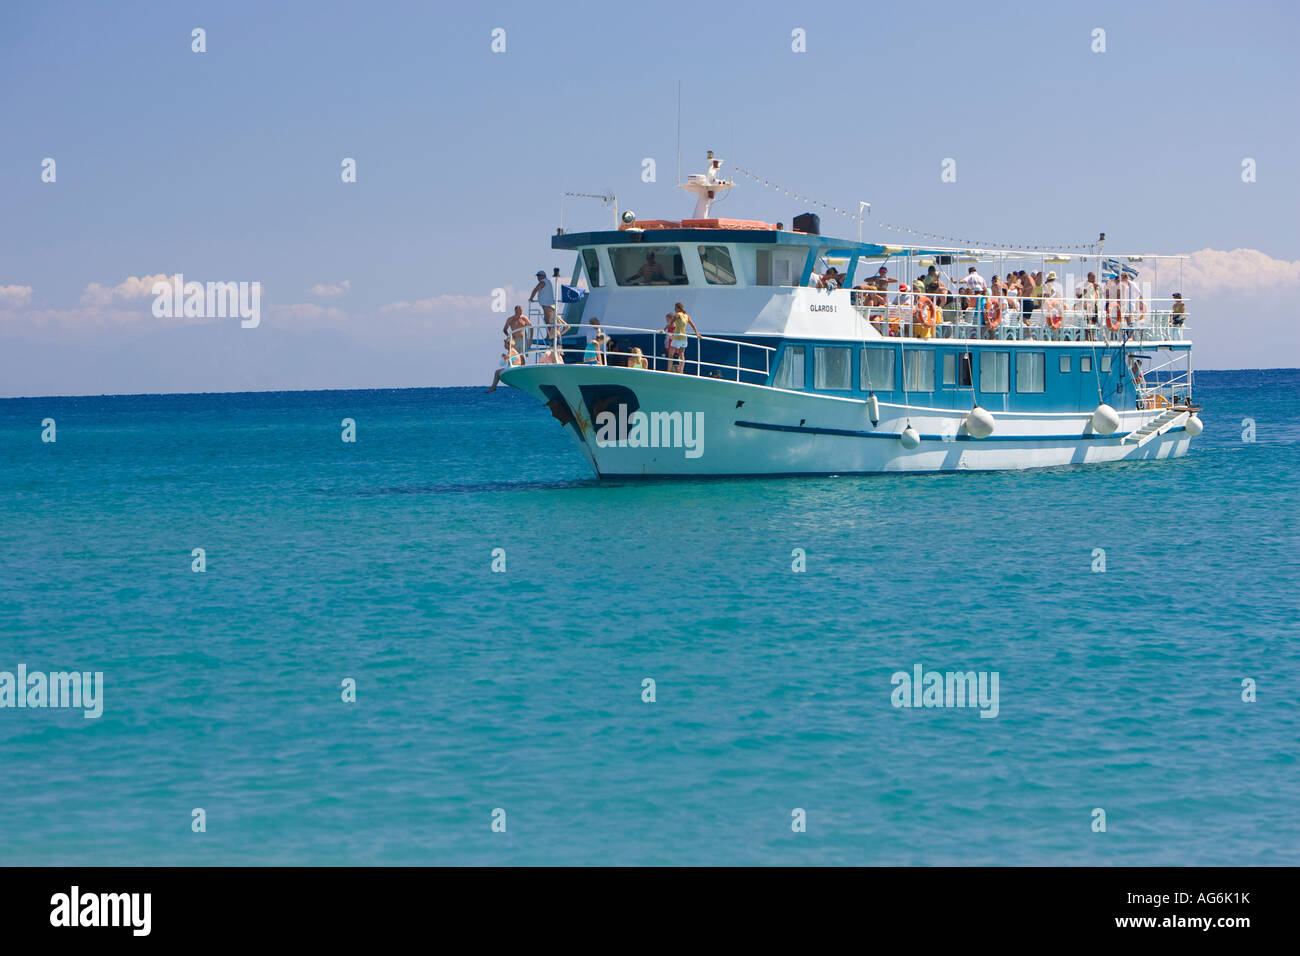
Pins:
x,y
509,359
831,280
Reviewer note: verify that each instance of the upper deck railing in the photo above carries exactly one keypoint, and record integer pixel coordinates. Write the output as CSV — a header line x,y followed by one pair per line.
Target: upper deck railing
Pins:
x,y
929,315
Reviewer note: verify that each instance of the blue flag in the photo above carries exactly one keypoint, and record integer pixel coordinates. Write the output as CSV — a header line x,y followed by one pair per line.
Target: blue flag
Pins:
x,y
570,293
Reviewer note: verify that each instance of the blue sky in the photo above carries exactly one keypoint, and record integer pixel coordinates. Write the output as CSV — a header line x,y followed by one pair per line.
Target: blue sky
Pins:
x,y
225,165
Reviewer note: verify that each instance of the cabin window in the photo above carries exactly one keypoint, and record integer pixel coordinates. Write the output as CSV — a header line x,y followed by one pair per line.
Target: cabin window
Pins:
x,y
1065,363
1085,363
956,369
832,369
763,272
995,370
1105,363
918,370
716,261
592,264
648,265
877,372
1030,371
790,373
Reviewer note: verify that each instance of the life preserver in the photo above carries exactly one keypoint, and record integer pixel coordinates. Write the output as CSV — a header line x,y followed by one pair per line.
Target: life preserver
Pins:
x,y
993,313
1054,314
926,311
1112,315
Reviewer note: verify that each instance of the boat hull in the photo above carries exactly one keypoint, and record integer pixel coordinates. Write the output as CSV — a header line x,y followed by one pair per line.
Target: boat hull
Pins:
x,y
733,428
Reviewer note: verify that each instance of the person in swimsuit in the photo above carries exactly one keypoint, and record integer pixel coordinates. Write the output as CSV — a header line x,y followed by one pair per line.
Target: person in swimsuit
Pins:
x,y
518,331
637,359
509,359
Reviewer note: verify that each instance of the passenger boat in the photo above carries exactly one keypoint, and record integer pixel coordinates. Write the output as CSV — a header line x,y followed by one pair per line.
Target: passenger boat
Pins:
x,y
794,374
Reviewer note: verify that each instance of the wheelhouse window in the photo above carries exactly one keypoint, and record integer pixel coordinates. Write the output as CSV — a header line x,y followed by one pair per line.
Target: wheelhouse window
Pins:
x,y
832,369
647,265
779,266
918,370
790,373
716,261
592,264
995,372
1030,370
877,372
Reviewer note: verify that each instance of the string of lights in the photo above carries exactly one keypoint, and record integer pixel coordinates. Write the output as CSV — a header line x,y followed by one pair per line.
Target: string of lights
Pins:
x,y
920,233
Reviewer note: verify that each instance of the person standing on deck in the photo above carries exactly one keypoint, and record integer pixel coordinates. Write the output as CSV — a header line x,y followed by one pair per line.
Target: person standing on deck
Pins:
x,y
518,330
1089,293
1180,309
678,320
544,296
1114,305
1131,295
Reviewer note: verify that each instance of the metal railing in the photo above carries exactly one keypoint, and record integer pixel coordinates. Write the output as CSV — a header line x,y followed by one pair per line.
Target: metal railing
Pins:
x,y
1010,318
541,339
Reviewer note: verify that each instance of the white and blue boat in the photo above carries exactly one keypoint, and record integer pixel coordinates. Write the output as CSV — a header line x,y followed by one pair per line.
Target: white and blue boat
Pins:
x,y
794,371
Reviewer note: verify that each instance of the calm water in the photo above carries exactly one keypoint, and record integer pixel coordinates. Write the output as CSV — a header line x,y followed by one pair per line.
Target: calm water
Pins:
x,y
522,690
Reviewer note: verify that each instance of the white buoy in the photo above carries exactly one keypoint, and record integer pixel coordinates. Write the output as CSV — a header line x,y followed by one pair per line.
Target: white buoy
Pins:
x,y
910,437
873,409
979,423
1194,426
1105,420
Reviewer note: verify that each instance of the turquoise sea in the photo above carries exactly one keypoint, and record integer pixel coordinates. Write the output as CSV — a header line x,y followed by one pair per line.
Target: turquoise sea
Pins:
x,y
522,690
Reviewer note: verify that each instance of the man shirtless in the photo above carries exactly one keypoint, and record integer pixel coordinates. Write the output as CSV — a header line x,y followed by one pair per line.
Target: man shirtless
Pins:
x,y
519,333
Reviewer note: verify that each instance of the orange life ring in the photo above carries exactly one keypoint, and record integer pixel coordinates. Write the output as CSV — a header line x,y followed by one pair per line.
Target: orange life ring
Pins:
x,y
1112,315
1054,314
993,313
926,311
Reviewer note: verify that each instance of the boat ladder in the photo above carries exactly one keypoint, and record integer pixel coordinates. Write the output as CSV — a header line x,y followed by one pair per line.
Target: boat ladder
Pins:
x,y
1169,418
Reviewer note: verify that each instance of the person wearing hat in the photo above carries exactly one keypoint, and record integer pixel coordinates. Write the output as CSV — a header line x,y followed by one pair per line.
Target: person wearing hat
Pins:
x,y
544,296
1180,309
1051,288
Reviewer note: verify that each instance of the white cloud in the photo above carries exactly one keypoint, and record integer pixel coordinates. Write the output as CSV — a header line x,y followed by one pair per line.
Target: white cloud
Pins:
x,y
15,296
328,291
129,289
1213,271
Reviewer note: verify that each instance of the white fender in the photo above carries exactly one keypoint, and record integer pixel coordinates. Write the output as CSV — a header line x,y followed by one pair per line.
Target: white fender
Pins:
x,y
873,409
979,423
1194,426
910,437
1105,420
